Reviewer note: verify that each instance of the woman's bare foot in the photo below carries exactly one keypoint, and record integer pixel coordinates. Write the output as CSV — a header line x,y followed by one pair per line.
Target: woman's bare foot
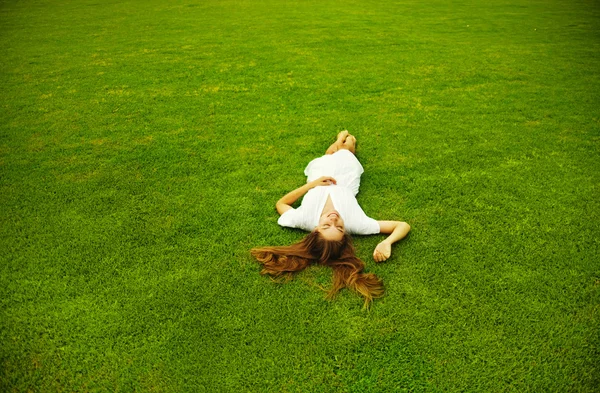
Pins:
x,y
341,136
344,141
350,143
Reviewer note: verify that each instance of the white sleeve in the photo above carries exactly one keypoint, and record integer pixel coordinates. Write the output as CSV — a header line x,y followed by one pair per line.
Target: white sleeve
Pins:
x,y
364,226
292,218
358,223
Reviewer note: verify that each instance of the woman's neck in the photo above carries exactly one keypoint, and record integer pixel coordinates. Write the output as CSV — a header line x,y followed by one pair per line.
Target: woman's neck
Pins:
x,y
328,208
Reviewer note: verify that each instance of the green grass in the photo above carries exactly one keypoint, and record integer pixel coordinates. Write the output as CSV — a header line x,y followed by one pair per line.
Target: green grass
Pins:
x,y
143,145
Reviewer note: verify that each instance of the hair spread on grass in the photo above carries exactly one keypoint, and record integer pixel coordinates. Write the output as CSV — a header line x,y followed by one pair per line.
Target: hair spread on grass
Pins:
x,y
284,261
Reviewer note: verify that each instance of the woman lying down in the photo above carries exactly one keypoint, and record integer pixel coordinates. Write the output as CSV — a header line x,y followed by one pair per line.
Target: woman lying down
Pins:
x,y
330,213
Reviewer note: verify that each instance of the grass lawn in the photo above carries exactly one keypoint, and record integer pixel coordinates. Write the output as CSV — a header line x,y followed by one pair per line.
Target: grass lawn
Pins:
x,y
143,145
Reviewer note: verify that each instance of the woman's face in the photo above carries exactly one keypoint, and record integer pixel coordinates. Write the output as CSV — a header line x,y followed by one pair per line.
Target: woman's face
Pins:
x,y
331,226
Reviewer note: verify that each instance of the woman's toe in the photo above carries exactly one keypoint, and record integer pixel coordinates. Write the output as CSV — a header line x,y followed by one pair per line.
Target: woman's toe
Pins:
x,y
342,134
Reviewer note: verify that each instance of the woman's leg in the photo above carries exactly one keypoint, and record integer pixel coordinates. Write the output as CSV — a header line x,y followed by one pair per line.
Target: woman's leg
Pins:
x,y
340,143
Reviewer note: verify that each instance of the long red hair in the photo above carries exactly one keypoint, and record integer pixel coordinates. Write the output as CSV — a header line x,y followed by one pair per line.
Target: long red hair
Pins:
x,y
284,261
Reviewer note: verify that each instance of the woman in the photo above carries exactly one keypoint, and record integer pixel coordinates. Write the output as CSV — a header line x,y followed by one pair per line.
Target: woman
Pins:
x,y
330,212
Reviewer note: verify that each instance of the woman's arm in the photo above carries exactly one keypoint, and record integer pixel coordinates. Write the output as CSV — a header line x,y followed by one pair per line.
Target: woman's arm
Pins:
x,y
397,230
285,203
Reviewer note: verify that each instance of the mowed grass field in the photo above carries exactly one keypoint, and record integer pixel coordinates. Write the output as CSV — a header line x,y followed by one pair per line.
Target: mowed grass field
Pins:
x,y
143,145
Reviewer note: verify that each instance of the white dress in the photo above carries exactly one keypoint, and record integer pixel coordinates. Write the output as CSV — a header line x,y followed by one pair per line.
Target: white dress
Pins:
x,y
345,168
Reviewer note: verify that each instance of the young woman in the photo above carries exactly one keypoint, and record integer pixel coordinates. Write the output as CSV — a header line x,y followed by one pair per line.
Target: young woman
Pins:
x,y
331,213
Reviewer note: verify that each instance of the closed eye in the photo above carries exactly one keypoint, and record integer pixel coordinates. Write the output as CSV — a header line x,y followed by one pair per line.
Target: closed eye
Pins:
x,y
327,226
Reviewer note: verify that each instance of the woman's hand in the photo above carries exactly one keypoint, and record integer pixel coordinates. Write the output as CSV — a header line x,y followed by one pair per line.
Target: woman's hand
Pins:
x,y
397,230
382,252
322,181
285,203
